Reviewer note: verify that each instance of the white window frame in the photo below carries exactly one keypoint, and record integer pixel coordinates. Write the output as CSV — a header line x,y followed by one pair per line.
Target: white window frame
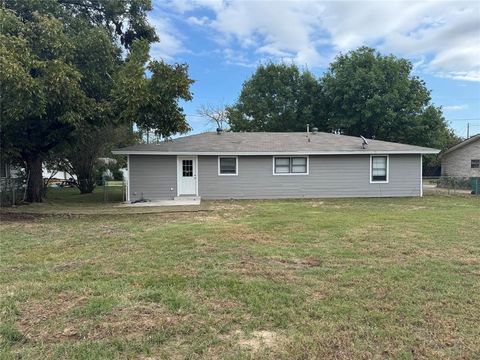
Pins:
x,y
289,173
387,169
236,165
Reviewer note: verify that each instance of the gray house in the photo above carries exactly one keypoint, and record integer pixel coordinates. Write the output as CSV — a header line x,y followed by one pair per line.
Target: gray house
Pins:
x,y
261,165
463,159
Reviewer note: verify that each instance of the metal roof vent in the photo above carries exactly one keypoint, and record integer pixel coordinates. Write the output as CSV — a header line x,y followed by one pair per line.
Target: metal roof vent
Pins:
x,y
314,130
219,131
364,142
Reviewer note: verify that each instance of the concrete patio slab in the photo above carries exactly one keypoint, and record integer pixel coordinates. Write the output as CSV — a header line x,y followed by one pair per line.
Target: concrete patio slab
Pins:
x,y
178,201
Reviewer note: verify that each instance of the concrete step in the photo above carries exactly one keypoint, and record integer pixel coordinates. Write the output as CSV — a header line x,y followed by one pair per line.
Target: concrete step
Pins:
x,y
187,198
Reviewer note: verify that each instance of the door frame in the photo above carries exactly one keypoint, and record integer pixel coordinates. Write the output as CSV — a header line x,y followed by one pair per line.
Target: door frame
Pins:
x,y
179,171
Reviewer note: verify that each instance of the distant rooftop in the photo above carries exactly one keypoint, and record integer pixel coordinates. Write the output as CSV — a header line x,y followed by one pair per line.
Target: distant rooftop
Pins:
x,y
270,143
462,144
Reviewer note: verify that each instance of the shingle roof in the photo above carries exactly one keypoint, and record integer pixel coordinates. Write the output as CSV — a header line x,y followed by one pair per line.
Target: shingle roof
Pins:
x,y
462,144
258,143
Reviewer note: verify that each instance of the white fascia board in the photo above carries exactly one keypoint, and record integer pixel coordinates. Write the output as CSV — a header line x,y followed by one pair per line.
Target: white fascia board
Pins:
x,y
274,153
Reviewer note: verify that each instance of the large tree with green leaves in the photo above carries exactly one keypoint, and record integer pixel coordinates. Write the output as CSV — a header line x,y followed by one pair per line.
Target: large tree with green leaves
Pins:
x,y
366,93
64,71
278,97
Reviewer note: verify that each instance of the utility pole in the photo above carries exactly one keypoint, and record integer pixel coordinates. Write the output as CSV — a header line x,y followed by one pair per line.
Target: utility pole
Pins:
x,y
468,130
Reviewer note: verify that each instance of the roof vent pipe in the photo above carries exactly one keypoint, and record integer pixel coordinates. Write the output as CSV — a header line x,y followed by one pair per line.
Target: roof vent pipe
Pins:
x,y
219,131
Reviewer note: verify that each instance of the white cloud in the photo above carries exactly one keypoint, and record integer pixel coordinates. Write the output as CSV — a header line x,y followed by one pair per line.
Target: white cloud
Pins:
x,y
170,44
444,35
235,57
455,107
193,20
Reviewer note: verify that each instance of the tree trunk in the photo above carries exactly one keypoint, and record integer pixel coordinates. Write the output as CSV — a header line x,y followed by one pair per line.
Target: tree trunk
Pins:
x,y
86,185
35,179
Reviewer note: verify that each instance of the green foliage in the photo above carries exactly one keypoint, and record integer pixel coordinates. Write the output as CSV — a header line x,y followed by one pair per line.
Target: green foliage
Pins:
x,y
376,96
9,333
59,61
109,170
39,87
362,93
152,101
278,97
450,182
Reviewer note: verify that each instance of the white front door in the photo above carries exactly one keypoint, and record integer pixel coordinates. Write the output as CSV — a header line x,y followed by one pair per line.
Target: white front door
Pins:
x,y
187,175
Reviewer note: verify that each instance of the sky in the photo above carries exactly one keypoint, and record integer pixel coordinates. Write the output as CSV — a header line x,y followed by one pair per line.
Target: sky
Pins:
x,y
224,41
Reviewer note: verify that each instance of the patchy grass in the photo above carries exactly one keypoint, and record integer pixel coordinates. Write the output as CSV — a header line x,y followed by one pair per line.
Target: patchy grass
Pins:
x,y
338,278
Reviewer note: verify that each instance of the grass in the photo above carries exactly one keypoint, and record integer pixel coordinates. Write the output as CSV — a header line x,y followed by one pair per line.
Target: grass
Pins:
x,y
337,278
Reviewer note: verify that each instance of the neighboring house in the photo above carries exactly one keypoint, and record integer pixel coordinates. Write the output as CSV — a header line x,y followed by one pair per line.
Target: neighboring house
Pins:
x,y
463,159
259,165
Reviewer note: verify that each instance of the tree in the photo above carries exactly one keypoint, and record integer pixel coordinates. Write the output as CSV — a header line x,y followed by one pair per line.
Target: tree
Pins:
x,y
278,97
366,93
81,156
216,115
39,91
58,76
152,101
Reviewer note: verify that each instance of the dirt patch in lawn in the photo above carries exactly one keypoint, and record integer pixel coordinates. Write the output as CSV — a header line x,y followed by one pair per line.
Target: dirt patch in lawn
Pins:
x,y
255,341
298,263
6,216
259,339
273,267
52,321
242,233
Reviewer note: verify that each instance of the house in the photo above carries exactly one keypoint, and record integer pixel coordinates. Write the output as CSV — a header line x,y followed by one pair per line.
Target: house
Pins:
x,y
261,165
463,159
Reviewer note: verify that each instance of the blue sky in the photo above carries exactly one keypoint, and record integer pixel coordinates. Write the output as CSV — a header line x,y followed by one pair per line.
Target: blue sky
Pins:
x,y
224,41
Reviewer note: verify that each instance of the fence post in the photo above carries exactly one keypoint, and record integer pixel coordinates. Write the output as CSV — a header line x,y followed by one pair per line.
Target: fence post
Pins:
x,y
104,190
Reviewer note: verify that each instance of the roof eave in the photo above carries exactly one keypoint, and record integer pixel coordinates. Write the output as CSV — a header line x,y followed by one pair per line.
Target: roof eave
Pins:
x,y
461,145
256,153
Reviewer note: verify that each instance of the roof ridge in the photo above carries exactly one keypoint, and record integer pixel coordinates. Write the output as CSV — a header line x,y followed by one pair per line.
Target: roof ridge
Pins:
x,y
462,143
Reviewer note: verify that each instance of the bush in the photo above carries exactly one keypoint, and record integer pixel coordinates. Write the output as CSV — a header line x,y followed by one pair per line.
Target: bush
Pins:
x,y
109,171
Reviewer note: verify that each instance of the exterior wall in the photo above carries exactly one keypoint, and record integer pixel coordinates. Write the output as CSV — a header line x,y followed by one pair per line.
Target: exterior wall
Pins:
x,y
154,177
458,162
329,176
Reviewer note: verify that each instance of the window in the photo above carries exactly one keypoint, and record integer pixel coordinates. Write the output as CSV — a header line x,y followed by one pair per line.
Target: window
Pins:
x,y
290,165
379,168
475,164
227,165
187,168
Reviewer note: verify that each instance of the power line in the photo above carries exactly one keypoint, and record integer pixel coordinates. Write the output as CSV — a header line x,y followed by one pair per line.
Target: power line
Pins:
x,y
465,119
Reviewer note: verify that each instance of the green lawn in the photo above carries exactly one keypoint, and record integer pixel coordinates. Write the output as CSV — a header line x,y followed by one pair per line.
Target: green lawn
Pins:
x,y
340,278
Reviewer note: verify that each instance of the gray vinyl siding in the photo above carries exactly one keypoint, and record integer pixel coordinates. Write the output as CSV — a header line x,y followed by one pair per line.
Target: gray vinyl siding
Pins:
x,y
153,176
329,176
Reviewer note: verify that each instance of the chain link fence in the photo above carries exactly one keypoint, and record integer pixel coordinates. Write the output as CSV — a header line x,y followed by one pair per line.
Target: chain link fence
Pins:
x,y
114,191
12,191
452,185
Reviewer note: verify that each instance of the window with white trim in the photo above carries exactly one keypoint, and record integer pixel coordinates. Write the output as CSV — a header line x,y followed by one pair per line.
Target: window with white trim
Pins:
x,y
227,165
475,164
290,165
379,168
